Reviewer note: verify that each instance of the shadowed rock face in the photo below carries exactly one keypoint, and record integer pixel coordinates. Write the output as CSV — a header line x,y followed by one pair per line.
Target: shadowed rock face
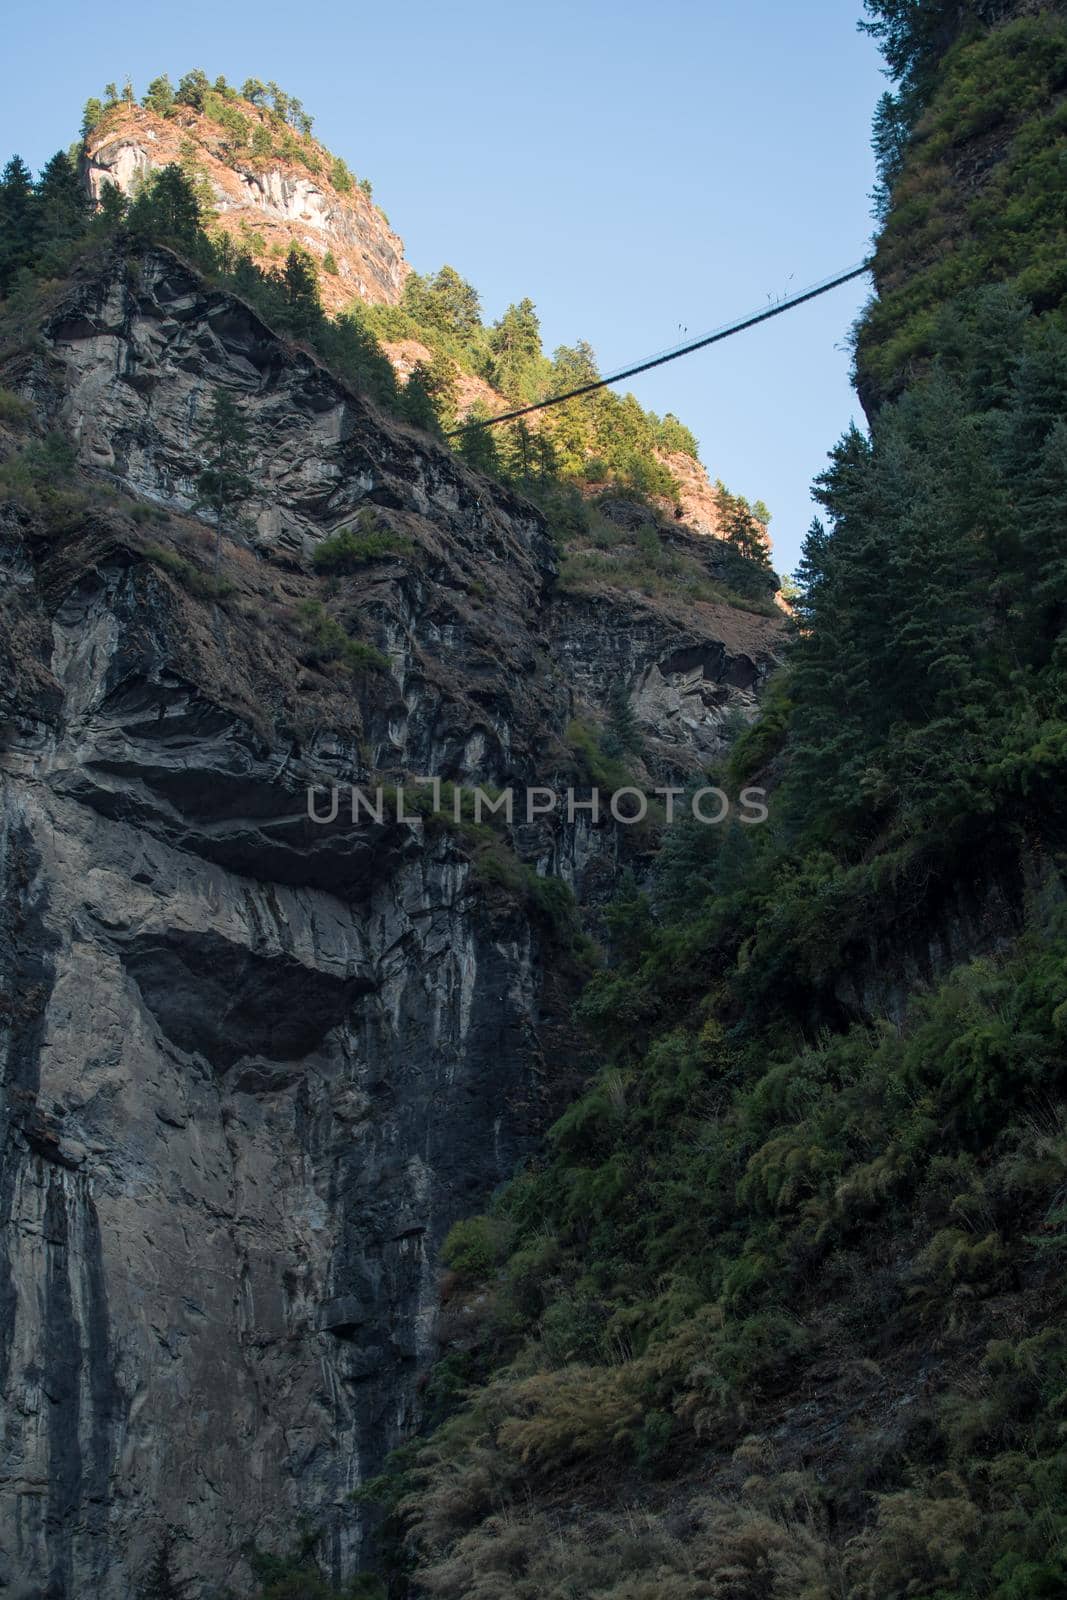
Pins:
x,y
255,1067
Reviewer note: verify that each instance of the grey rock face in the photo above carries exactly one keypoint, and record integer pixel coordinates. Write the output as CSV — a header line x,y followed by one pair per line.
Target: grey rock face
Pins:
x,y
253,1067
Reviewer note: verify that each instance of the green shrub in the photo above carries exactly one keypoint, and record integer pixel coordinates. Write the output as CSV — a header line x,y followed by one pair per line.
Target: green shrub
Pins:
x,y
603,771
202,584
13,409
324,640
358,545
474,1246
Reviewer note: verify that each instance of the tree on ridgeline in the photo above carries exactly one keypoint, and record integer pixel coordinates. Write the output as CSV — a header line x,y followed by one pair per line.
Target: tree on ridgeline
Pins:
x,y
739,525
515,350
160,96
192,87
444,301
62,207
167,208
16,221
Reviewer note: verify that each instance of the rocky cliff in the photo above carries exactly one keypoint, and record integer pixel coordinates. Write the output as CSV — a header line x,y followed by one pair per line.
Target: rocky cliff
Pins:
x,y
265,203
265,188
254,1067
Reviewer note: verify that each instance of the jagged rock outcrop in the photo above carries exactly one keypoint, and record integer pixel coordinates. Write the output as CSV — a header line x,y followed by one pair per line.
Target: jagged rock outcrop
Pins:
x,y
265,204
254,1067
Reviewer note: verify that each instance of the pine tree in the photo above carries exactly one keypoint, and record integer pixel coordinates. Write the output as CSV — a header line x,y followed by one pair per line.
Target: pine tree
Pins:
x,y
192,88
301,289
113,208
160,1582
160,96
445,301
546,455
515,345
224,483
167,208
520,456
889,138
91,115
17,221
623,735
62,205
477,446
417,405
262,143
439,379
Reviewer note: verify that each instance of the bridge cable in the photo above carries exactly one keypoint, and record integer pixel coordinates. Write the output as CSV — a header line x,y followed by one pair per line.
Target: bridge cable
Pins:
x,y
725,332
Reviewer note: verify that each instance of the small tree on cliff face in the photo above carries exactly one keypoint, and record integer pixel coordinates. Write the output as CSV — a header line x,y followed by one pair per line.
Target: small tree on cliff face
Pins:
x,y
224,483
159,1581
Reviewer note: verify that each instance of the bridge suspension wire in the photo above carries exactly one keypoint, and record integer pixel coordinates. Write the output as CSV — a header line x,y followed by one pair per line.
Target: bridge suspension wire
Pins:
x,y
777,309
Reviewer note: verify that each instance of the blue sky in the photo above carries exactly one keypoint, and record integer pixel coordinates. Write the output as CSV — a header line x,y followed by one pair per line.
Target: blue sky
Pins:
x,y
630,167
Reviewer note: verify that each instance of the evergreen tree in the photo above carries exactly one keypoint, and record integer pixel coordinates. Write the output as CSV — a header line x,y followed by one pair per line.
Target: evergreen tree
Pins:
x,y
520,452
113,208
478,446
192,88
255,91
160,96
301,290
674,437
740,525
62,205
440,381
91,115
262,143
224,483
515,346
167,208
160,1582
889,137
623,735
546,456
574,425
417,405
17,221
444,301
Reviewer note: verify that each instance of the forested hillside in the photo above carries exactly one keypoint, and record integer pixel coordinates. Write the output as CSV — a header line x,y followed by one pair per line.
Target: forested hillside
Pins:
x,y
780,1311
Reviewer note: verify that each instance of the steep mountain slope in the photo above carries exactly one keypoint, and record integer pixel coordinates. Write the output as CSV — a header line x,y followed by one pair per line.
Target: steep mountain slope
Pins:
x,y
266,186
264,202
778,1314
255,1067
